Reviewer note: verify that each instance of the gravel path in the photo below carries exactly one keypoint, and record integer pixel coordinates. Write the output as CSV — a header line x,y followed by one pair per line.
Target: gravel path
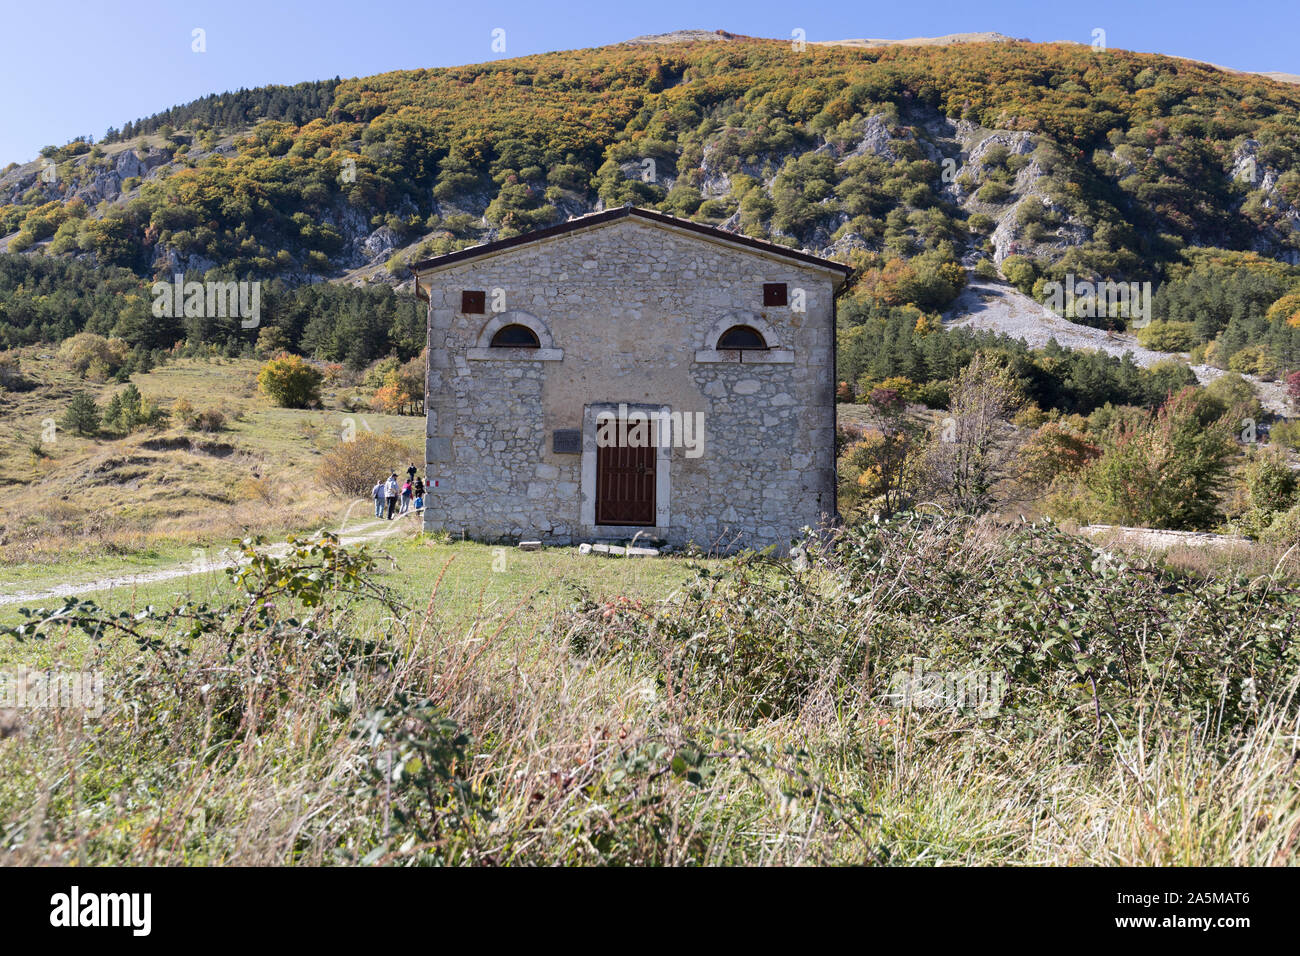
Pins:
x,y
356,534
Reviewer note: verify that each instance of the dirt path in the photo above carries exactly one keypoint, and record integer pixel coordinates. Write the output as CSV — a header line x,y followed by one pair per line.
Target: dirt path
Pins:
x,y
361,533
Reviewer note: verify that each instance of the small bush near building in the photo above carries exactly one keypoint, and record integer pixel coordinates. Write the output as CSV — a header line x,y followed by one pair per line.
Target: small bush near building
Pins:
x,y
352,467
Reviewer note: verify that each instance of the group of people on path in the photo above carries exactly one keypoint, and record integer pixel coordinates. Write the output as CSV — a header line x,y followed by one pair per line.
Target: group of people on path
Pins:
x,y
399,498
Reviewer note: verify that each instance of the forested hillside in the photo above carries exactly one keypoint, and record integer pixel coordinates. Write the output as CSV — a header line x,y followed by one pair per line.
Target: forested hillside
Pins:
x,y
916,164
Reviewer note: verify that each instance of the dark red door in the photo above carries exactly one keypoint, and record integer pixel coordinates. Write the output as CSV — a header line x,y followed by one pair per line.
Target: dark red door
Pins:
x,y
625,485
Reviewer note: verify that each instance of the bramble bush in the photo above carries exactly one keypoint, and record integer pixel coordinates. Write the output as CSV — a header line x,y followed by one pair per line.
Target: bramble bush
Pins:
x,y
1097,649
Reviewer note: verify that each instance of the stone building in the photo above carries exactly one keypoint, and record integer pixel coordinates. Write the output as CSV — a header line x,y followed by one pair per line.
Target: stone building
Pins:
x,y
629,372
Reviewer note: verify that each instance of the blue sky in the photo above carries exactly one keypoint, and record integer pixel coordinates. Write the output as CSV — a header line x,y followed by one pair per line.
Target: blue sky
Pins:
x,y
82,66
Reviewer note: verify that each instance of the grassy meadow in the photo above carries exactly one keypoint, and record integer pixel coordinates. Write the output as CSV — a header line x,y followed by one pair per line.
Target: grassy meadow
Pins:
x,y
86,507
924,691
458,704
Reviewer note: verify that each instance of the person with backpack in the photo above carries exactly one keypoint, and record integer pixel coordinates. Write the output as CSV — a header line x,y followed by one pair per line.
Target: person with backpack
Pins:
x,y
408,491
377,493
391,492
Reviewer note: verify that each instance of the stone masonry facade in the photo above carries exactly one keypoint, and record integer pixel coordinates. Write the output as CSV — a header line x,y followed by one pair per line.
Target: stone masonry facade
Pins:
x,y
628,310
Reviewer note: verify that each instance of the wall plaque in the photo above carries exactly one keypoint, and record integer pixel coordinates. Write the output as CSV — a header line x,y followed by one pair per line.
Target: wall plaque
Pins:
x,y
567,441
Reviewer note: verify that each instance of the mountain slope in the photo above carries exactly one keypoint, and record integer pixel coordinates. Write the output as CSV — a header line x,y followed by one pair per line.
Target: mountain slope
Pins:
x,y
1098,164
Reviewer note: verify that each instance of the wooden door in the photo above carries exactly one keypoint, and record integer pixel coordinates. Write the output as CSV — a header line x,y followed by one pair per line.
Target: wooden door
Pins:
x,y
625,485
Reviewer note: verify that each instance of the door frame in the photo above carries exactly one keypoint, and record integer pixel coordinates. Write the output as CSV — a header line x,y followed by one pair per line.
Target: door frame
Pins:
x,y
663,478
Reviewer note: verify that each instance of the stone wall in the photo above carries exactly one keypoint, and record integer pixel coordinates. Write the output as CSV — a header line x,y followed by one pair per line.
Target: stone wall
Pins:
x,y
629,311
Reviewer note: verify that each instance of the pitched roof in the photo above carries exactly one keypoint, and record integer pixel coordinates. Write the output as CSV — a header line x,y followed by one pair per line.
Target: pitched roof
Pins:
x,y
622,212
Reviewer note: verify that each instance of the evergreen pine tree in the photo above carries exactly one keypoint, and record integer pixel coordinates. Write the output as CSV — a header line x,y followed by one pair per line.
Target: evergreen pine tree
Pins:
x,y
81,415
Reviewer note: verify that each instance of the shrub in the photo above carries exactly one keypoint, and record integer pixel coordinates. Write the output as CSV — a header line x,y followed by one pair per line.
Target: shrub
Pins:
x,y
1254,360
1056,449
992,192
1168,336
290,382
1232,392
1021,272
1165,471
937,394
208,420
11,374
1092,657
1214,355
87,349
183,411
1286,433
1270,482
256,489
901,386
352,467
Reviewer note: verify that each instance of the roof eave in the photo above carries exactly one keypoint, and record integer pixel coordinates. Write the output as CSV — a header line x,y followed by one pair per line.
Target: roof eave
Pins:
x,y
436,263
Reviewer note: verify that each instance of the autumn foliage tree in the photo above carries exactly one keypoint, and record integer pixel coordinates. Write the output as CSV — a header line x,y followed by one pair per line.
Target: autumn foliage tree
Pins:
x,y
1293,388
1056,450
972,453
402,391
880,470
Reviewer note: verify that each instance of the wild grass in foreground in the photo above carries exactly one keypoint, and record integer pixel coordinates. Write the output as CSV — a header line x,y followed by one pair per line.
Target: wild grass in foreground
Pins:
x,y
928,691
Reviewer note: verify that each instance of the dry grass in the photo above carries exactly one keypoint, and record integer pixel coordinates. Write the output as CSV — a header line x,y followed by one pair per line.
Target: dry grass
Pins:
x,y
168,490
572,755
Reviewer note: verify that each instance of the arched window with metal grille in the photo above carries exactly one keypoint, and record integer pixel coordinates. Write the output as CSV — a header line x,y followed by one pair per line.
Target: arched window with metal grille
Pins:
x,y
742,337
515,336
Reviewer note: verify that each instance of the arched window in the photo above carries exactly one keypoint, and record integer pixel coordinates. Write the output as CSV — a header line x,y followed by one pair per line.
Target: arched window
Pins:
x,y
741,337
515,337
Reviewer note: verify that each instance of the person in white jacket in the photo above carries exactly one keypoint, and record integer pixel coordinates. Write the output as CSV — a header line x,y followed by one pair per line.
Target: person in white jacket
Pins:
x,y
392,492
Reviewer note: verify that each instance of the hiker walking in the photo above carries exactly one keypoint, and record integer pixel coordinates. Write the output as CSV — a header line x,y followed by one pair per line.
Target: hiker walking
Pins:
x,y
391,492
408,491
377,493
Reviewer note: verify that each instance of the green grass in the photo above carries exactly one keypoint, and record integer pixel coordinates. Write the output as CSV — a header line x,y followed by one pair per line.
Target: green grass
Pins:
x,y
528,588
89,568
